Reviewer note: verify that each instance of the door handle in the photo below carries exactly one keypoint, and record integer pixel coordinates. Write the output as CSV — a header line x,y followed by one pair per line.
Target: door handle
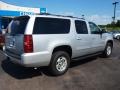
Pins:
x,y
79,38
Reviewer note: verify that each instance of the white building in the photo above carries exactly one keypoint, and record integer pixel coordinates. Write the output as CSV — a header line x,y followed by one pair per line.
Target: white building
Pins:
x,y
9,7
7,11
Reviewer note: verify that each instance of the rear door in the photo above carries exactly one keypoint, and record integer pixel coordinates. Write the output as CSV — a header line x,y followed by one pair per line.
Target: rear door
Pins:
x,y
83,39
14,38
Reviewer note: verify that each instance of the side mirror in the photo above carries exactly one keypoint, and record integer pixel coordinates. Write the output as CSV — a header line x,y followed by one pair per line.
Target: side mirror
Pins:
x,y
103,30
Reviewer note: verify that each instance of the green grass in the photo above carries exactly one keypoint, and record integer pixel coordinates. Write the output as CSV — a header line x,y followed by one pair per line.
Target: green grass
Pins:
x,y
113,28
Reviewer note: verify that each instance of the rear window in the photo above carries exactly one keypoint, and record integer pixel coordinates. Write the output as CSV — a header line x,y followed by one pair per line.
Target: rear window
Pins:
x,y
51,26
18,25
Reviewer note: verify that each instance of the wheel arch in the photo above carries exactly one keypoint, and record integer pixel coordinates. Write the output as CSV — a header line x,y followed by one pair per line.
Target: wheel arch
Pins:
x,y
65,48
110,41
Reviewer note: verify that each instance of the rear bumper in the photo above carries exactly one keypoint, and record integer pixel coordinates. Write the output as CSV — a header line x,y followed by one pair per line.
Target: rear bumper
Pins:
x,y
31,59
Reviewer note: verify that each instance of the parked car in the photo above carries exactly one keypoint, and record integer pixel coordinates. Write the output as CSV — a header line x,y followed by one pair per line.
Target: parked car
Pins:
x,y
116,35
54,41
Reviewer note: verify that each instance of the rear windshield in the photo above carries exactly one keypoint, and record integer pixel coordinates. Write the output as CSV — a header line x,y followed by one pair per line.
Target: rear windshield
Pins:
x,y
51,26
18,25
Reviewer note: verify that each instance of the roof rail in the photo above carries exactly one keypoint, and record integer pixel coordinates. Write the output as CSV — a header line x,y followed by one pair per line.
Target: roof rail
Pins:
x,y
60,15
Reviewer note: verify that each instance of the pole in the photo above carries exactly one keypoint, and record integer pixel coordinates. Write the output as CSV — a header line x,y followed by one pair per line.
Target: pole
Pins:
x,y
115,3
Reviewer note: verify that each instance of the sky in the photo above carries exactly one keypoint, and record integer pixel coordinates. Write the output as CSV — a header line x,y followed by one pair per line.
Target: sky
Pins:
x,y
98,11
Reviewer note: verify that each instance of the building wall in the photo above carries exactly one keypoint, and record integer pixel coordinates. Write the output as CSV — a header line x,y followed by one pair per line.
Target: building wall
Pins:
x,y
7,11
9,7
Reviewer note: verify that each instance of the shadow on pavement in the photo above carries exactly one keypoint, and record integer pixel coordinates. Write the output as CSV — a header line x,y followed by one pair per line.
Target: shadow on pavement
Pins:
x,y
82,61
20,72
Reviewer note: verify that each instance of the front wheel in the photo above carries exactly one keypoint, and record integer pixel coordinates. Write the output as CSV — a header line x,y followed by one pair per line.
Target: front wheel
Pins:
x,y
118,37
108,50
59,63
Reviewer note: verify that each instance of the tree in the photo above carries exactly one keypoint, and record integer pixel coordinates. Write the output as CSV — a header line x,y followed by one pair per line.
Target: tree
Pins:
x,y
118,23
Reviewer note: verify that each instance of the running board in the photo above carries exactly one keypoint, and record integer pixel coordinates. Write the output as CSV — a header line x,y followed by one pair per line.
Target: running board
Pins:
x,y
86,56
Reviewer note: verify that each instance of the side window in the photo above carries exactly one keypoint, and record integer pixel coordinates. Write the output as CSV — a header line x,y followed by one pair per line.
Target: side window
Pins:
x,y
81,27
51,26
94,28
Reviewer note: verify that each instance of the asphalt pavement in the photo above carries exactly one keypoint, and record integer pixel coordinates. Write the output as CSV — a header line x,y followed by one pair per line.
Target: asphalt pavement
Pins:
x,y
94,73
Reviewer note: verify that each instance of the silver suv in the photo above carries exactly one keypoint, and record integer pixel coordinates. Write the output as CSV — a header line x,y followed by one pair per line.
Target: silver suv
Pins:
x,y
51,40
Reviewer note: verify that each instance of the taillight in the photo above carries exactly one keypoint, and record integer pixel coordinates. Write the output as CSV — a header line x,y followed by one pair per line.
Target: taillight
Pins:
x,y
28,44
0,38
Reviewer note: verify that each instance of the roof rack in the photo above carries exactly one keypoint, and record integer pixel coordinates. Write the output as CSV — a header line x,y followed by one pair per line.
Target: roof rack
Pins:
x,y
60,15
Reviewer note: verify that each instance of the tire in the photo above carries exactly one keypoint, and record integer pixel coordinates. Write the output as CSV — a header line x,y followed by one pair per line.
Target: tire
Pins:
x,y
60,62
118,37
108,50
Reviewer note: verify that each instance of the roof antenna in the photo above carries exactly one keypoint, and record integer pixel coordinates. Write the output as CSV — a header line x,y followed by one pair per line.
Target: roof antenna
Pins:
x,y
83,16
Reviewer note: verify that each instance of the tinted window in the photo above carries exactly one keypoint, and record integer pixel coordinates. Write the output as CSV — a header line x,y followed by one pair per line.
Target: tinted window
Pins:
x,y
94,28
81,27
5,22
51,26
18,25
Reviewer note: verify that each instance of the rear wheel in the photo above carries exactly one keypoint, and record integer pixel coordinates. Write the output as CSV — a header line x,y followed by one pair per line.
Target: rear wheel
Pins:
x,y
108,50
59,63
